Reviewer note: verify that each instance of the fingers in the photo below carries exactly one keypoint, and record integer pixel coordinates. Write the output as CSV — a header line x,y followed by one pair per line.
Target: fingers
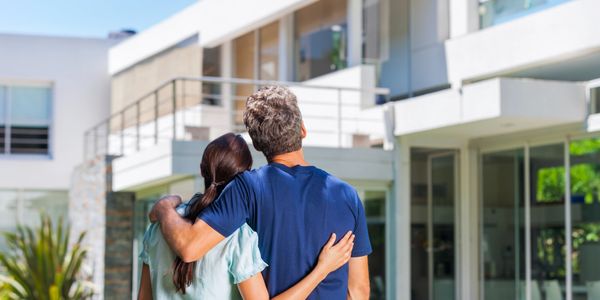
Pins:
x,y
330,242
345,240
167,202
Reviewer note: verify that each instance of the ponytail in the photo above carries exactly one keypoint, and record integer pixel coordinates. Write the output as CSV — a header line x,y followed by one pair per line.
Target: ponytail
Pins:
x,y
183,273
223,159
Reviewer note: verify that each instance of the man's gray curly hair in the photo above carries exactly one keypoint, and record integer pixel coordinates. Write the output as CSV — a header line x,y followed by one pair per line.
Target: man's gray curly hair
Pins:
x,y
273,120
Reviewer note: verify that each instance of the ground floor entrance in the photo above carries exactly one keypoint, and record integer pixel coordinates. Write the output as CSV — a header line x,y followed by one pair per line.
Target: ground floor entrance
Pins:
x,y
511,217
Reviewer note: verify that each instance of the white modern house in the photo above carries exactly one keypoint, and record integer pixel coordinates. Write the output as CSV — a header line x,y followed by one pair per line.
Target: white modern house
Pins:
x,y
480,175
470,129
51,90
496,150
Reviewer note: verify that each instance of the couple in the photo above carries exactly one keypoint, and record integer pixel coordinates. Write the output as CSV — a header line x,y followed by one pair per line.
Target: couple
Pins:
x,y
273,231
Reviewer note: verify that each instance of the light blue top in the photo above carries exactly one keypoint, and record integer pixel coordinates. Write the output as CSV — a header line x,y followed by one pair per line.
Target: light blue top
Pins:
x,y
232,261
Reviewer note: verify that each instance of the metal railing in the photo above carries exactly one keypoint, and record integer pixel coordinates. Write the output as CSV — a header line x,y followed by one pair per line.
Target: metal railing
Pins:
x,y
203,108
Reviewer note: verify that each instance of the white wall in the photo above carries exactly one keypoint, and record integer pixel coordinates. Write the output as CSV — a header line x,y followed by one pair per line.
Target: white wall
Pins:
x,y
77,70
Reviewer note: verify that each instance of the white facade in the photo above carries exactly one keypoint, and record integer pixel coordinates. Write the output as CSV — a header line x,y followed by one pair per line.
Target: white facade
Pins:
x,y
75,69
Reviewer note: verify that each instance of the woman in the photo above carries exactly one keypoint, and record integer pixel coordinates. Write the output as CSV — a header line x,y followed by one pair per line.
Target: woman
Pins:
x,y
236,260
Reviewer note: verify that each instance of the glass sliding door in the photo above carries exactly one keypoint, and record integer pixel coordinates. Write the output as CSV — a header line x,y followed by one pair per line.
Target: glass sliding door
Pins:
x,y
503,225
433,224
547,200
442,238
585,217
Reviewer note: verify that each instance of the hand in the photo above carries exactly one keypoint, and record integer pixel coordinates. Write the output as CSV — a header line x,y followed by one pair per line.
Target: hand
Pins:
x,y
332,257
166,202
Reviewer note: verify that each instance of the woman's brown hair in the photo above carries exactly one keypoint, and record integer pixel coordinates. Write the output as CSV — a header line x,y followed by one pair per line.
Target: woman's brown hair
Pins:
x,y
223,159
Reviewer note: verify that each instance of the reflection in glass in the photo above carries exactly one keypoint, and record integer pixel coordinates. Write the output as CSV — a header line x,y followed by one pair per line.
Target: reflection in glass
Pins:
x,y
493,12
320,38
503,225
374,202
585,215
548,250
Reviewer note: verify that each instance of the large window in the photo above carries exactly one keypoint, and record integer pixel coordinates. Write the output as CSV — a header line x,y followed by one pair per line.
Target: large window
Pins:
x,y
493,12
539,175
320,38
585,216
503,225
25,118
547,200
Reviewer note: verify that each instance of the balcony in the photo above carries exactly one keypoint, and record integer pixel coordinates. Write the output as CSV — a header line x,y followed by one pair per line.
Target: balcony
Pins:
x,y
201,109
558,43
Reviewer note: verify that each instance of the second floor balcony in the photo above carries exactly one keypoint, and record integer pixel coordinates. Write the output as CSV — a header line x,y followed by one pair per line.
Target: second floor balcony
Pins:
x,y
191,109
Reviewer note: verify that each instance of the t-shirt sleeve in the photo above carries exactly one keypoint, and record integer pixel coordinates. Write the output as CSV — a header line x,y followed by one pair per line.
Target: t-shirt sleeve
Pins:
x,y
244,256
231,209
144,254
362,244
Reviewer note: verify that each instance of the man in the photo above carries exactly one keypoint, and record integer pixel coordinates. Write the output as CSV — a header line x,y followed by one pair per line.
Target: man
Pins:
x,y
294,207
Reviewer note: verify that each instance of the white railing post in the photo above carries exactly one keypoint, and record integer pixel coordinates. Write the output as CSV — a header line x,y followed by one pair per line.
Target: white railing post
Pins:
x,y
339,117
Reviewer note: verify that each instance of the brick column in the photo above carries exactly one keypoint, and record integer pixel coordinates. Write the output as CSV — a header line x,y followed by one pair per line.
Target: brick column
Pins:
x,y
118,254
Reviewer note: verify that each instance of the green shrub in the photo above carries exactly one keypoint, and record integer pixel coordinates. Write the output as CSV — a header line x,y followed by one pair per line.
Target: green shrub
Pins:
x,y
40,264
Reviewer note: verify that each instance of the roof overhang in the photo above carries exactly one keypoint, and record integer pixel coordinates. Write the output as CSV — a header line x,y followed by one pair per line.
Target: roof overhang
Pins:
x,y
491,107
212,21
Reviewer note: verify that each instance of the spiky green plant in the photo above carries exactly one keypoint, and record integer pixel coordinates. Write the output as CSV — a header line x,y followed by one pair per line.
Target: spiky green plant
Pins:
x,y
40,264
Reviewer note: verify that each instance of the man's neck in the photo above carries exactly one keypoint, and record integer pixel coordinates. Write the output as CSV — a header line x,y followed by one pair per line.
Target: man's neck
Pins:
x,y
290,159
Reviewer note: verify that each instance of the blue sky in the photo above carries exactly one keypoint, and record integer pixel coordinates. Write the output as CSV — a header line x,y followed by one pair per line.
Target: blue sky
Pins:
x,y
83,18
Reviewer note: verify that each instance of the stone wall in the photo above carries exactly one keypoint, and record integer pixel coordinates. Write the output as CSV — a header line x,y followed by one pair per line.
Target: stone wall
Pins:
x,y
118,258
87,212
107,217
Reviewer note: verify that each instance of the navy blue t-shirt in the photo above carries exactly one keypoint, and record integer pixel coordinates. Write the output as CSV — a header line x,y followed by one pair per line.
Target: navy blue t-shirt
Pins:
x,y
294,211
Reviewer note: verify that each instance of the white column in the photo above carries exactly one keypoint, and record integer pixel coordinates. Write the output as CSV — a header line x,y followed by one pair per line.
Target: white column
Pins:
x,y
400,223
468,277
286,48
354,32
227,88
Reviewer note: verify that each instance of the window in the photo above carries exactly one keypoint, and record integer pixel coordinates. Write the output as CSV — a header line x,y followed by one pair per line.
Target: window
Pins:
x,y
25,117
211,67
493,12
320,38
269,52
256,56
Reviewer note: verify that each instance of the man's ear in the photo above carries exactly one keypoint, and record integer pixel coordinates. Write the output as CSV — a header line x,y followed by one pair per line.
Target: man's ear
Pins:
x,y
303,130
